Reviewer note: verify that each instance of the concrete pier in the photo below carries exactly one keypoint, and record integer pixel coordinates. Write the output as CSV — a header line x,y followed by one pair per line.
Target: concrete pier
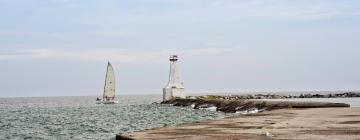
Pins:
x,y
296,124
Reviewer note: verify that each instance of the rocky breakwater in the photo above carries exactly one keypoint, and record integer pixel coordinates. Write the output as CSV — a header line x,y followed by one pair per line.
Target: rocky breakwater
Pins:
x,y
275,96
245,105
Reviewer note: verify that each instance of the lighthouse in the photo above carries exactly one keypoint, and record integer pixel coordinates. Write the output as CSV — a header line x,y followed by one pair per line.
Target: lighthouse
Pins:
x,y
174,88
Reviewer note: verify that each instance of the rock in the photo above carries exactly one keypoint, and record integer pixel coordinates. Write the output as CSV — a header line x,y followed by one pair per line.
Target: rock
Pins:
x,y
268,134
204,106
212,108
232,106
307,95
301,96
248,111
192,97
274,96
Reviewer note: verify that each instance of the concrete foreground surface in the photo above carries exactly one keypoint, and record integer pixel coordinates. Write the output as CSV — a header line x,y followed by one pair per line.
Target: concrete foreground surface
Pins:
x,y
284,124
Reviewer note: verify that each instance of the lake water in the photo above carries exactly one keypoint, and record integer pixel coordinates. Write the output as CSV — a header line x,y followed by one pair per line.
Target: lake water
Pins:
x,y
80,118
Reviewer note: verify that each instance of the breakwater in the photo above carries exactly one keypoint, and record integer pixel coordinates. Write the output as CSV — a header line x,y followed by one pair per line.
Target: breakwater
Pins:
x,y
240,105
278,96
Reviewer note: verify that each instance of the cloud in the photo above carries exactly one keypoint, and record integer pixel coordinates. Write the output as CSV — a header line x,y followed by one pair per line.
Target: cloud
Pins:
x,y
114,55
193,11
285,9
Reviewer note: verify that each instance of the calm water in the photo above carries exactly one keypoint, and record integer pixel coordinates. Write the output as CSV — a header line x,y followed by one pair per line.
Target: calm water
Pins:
x,y
81,118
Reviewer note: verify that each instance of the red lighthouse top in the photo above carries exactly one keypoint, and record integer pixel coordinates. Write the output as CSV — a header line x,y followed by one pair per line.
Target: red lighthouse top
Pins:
x,y
173,58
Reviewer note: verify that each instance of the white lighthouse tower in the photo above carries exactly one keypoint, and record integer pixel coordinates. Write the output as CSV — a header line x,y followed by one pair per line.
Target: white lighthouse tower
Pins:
x,y
174,88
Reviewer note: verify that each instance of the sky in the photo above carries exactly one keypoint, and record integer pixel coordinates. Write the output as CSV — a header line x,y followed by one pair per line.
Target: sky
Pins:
x,y
61,47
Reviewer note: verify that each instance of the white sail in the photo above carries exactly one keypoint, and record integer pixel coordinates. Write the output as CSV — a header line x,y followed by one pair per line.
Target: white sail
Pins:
x,y
109,88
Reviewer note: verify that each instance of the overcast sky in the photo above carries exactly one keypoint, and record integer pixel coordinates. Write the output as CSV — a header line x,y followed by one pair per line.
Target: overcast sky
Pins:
x,y
61,47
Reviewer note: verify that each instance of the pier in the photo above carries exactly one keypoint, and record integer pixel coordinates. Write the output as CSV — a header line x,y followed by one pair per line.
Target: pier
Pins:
x,y
299,124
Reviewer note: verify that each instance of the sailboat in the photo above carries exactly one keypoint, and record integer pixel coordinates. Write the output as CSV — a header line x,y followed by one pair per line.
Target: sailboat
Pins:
x,y
109,88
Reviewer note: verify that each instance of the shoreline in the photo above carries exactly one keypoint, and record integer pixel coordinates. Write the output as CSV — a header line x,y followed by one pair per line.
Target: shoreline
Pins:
x,y
288,123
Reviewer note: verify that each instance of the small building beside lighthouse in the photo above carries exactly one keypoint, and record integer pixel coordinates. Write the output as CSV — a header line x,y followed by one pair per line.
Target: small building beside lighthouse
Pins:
x,y
174,88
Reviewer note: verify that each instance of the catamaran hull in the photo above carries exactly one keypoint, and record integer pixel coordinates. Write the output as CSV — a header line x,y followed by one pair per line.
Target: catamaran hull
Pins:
x,y
107,102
